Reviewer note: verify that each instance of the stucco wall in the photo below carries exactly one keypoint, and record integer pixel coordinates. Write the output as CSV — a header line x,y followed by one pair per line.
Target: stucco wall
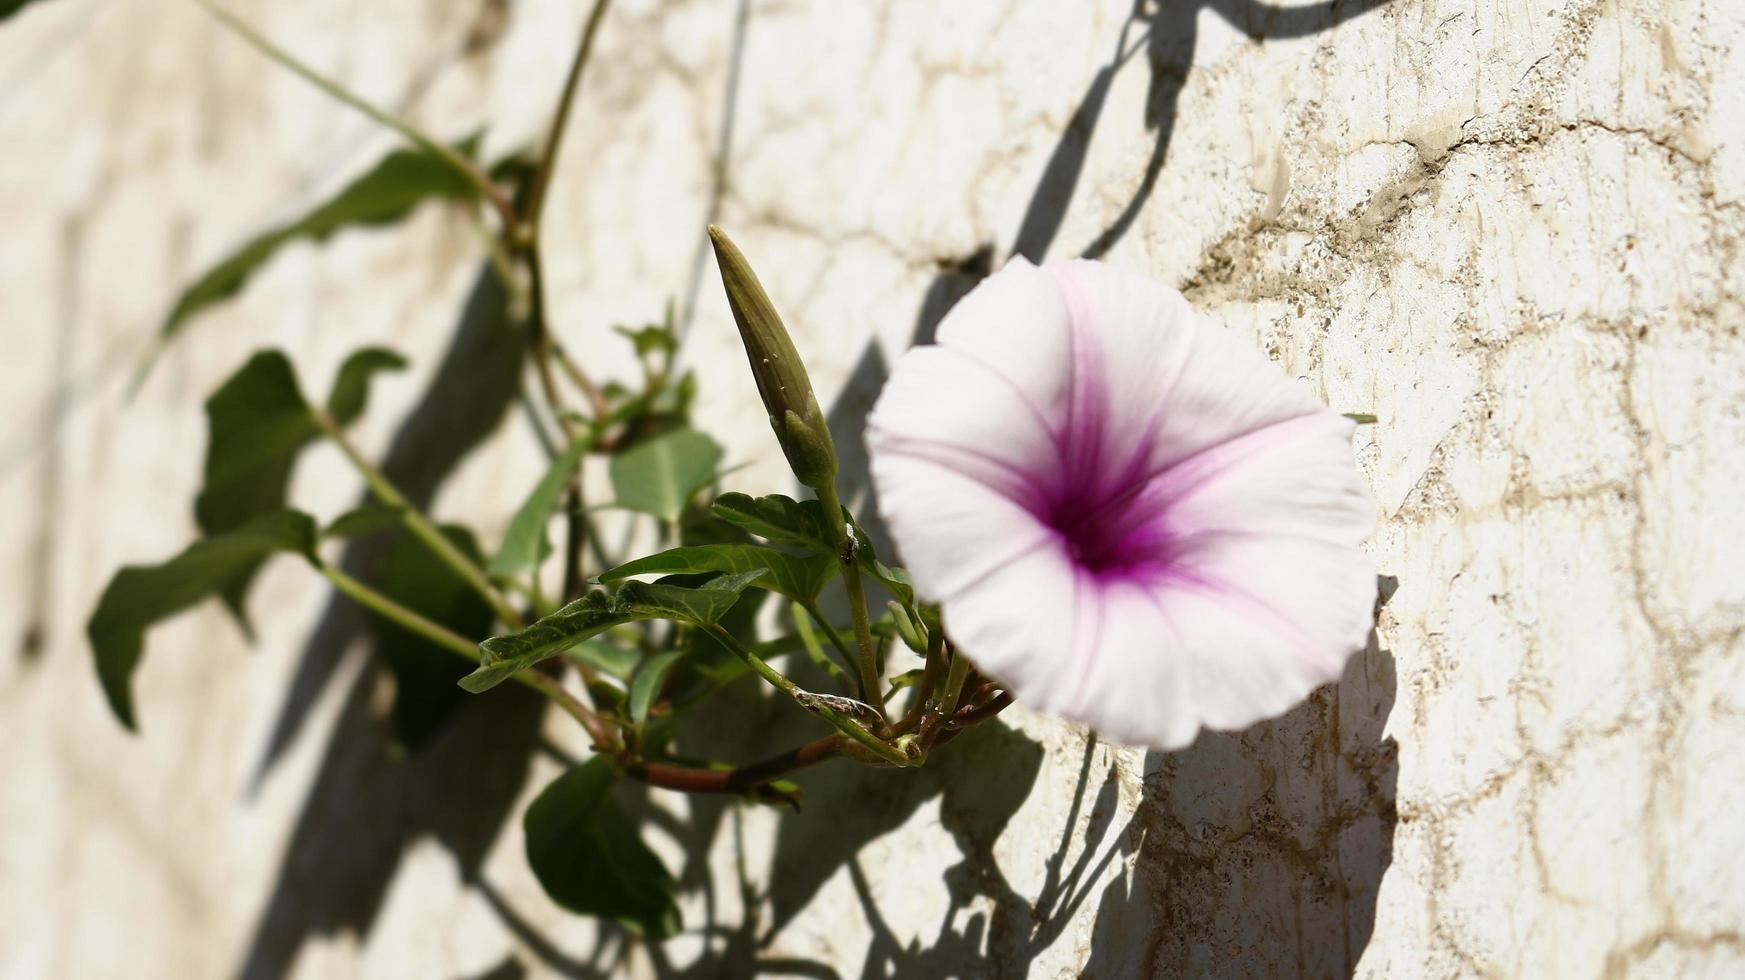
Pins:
x,y
1510,229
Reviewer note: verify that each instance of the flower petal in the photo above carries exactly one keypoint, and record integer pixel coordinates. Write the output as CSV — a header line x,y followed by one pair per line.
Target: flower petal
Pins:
x,y
958,413
1157,380
1129,517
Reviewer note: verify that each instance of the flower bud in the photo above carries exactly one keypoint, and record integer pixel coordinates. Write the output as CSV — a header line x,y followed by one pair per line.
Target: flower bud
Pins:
x,y
781,376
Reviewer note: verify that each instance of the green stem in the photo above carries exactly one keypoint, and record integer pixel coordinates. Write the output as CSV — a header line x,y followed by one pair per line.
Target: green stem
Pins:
x,y
554,139
417,523
829,631
866,661
954,683
809,701
462,165
449,640
929,680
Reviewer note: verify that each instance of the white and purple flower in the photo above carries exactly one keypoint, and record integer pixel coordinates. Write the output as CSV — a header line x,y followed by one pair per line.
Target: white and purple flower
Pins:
x,y
1128,516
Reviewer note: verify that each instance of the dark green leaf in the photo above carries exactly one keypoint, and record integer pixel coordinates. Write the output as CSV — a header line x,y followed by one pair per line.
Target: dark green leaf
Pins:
x,y
779,518
141,595
801,524
700,606
351,390
425,673
503,656
659,476
793,576
603,654
525,544
257,423
364,521
588,857
650,678
387,193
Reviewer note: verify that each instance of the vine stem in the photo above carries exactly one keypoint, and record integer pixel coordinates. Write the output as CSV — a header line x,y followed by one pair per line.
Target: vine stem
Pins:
x,y
929,680
866,660
554,139
416,522
465,167
809,701
449,640
690,779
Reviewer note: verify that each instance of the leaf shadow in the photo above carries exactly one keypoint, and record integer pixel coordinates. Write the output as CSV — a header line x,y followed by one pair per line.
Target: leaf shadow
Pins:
x,y
367,805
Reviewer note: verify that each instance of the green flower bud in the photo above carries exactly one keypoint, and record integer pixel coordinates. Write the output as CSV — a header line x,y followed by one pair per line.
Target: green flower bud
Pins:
x,y
781,376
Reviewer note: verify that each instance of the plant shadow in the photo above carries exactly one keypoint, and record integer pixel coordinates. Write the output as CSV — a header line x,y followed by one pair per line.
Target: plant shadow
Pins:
x,y
1261,852
369,801
1210,880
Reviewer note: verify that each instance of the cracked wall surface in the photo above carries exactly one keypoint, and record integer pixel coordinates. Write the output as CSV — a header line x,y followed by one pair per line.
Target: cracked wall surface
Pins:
x,y
1508,228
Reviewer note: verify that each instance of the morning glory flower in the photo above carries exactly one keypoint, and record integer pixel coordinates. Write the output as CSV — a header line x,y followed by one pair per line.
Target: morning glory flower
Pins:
x,y
1128,516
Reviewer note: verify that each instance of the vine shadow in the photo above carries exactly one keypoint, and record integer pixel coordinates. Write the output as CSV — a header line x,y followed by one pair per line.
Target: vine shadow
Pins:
x,y
1261,852
1324,769
367,803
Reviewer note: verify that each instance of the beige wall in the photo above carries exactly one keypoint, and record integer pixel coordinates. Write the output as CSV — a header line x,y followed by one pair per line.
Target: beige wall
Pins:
x,y
1508,227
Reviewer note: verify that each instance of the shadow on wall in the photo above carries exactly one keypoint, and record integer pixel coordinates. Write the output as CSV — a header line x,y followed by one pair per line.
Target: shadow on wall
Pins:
x,y
367,805
1253,853
1260,853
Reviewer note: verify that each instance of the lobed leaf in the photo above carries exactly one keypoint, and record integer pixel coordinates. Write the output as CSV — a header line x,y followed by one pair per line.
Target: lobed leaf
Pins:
x,y
257,423
141,595
390,191
660,475
700,606
351,389
800,524
501,657
776,517
797,577
589,858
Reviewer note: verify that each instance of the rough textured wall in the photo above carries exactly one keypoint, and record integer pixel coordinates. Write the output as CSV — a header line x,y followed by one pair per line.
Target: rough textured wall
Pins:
x,y
1510,229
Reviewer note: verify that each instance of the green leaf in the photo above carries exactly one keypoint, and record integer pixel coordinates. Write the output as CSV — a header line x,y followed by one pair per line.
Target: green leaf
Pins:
x,y
1361,418
793,576
257,423
659,476
503,656
387,193
588,857
801,524
363,521
700,606
649,681
141,595
651,339
425,673
612,658
525,544
779,518
351,389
